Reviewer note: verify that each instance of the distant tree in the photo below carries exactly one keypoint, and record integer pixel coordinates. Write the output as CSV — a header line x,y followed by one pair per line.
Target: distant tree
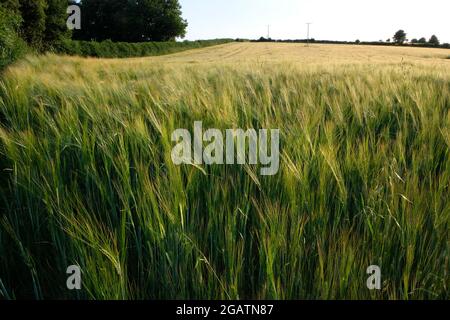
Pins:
x,y
400,37
446,45
388,40
414,41
422,40
434,40
357,41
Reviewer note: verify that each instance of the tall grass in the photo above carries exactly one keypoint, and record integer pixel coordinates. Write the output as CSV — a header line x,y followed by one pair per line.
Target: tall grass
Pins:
x,y
87,179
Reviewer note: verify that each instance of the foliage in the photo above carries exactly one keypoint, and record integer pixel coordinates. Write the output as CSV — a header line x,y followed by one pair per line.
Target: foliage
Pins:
x,y
400,37
42,22
131,21
11,46
55,24
434,40
33,22
109,49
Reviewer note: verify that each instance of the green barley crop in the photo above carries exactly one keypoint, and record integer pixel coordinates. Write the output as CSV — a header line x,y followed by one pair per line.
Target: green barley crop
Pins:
x,y
86,178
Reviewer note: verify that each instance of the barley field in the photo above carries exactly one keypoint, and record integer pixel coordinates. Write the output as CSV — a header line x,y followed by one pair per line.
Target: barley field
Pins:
x,y
86,176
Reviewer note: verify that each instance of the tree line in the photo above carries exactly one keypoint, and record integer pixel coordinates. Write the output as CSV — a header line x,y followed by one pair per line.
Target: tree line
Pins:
x,y
42,23
400,38
131,21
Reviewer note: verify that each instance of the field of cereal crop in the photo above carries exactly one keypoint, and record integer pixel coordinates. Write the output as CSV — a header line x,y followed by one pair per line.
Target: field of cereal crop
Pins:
x,y
86,175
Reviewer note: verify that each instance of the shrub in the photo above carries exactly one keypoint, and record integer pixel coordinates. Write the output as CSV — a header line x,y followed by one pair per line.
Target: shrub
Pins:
x,y
109,49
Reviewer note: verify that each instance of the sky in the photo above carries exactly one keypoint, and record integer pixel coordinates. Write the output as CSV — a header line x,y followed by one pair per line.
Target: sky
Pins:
x,y
331,19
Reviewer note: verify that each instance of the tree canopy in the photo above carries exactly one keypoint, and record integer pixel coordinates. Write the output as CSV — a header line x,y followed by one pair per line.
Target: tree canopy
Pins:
x,y
400,36
434,40
131,21
55,22
42,22
11,46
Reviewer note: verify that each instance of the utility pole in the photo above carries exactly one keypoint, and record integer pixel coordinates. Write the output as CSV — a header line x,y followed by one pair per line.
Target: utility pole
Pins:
x,y
308,24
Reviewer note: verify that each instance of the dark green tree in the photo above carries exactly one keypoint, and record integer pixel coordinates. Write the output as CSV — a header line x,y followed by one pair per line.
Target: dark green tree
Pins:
x,y
33,22
131,21
434,40
11,46
400,37
55,22
102,20
422,40
11,5
160,20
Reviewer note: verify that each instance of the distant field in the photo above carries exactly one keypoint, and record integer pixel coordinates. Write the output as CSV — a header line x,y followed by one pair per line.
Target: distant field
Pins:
x,y
86,176
301,53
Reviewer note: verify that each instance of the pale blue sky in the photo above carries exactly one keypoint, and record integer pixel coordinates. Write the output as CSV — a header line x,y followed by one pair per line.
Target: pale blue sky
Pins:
x,y
332,19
